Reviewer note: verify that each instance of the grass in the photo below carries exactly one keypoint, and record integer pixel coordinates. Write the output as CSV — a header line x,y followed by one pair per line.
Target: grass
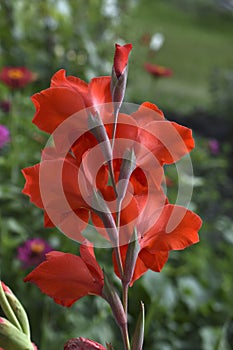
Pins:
x,y
194,46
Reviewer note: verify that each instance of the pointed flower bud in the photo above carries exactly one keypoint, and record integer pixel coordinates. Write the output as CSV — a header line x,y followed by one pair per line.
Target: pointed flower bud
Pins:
x,y
119,77
110,295
131,258
18,310
121,58
82,344
11,338
138,336
5,306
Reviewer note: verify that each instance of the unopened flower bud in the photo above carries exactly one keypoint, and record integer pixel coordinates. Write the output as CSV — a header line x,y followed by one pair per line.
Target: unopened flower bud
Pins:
x,y
119,77
110,295
82,344
18,310
12,339
131,258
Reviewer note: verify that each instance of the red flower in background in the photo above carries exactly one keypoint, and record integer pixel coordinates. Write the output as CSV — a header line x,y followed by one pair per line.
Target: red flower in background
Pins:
x,y
16,77
82,344
5,106
158,71
67,277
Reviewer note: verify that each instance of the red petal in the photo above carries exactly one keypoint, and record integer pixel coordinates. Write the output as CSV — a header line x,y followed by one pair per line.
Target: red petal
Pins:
x,y
146,113
31,187
64,277
88,256
59,79
82,145
151,261
167,141
99,90
121,58
55,105
176,228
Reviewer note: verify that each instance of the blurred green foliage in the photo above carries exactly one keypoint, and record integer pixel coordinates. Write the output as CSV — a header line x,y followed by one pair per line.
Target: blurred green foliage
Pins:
x,y
189,305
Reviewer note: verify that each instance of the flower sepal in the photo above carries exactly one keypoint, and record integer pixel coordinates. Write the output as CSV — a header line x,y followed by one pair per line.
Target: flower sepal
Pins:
x,y
138,336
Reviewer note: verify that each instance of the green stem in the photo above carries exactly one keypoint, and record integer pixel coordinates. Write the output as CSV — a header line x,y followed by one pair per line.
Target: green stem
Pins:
x,y
125,336
118,260
125,297
7,309
116,112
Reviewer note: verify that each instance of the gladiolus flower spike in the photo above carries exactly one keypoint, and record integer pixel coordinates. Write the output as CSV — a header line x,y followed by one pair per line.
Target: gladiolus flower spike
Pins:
x,y
106,168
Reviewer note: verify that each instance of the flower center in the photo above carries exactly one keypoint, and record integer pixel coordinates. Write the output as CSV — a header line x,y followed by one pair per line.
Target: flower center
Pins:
x,y
161,69
37,247
15,74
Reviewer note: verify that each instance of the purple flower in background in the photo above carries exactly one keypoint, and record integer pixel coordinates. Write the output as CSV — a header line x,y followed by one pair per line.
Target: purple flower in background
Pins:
x,y
33,251
5,106
4,135
214,147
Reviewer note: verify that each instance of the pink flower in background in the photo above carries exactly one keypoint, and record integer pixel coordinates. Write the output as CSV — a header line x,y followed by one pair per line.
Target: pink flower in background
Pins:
x,y
33,251
4,135
158,71
82,344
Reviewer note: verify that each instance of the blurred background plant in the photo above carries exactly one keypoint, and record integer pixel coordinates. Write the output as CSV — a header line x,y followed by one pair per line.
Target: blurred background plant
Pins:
x,y
189,305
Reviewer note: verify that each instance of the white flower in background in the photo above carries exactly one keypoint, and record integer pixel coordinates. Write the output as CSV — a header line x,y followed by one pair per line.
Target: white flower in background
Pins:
x,y
156,41
110,8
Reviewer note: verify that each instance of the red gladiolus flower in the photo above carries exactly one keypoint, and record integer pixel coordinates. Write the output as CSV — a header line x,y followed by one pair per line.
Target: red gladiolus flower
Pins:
x,y
16,77
157,71
175,228
121,58
82,344
66,277
154,140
